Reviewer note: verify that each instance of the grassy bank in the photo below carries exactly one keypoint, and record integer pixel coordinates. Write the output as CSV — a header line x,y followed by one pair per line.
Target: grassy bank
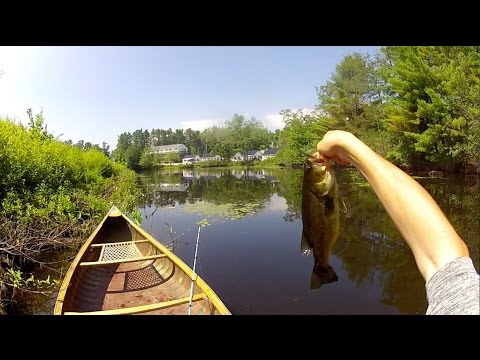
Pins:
x,y
52,195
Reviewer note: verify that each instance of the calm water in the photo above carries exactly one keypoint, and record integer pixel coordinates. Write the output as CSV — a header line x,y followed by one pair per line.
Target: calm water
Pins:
x,y
250,253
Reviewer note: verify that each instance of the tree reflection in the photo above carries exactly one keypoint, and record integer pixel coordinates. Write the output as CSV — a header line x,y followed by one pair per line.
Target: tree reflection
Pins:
x,y
371,248
244,191
372,251
290,187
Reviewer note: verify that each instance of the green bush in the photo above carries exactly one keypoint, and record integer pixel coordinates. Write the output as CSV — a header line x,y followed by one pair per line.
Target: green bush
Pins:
x,y
43,177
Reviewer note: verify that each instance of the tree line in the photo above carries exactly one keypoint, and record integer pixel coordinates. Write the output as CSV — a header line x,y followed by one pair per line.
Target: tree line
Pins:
x,y
418,106
236,135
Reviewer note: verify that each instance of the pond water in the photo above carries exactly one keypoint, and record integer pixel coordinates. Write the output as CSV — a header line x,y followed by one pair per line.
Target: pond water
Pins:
x,y
250,251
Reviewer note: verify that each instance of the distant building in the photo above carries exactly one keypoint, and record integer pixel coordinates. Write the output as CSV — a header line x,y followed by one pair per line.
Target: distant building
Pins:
x,y
209,157
254,155
237,157
165,149
269,153
191,159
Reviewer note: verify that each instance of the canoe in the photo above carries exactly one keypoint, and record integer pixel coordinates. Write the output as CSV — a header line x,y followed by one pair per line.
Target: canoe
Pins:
x,y
121,269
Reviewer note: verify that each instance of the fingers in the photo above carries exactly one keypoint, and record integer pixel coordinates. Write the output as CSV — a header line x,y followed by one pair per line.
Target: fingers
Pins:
x,y
332,146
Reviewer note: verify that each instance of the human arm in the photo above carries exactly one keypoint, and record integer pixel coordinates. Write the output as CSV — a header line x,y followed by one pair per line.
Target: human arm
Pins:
x,y
432,239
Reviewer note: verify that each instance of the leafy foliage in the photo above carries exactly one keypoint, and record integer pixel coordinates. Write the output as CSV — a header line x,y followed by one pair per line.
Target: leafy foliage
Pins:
x,y
301,133
417,106
434,106
45,177
52,194
353,96
17,280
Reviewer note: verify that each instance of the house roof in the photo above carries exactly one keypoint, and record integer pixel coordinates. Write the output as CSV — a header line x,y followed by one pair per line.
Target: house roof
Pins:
x,y
167,147
270,151
252,152
208,155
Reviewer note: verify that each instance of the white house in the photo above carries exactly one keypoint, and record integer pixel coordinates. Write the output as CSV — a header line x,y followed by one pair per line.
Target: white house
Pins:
x,y
269,153
208,157
191,159
237,157
175,148
254,154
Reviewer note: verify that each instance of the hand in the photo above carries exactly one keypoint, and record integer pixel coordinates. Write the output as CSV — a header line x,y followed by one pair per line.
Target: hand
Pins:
x,y
336,145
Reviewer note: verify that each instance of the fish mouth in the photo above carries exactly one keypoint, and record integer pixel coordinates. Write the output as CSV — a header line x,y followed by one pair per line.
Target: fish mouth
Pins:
x,y
316,158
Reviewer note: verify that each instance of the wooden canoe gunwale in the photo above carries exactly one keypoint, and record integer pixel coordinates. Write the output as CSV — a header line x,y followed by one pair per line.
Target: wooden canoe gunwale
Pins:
x,y
142,308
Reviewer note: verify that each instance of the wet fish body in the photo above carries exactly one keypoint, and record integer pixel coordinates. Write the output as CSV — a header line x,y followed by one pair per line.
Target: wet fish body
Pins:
x,y
320,216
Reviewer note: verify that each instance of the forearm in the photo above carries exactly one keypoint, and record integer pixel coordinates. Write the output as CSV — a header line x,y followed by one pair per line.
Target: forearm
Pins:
x,y
431,237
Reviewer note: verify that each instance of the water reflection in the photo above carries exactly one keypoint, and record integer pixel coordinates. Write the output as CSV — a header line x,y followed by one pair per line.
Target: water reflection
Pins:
x,y
248,260
231,194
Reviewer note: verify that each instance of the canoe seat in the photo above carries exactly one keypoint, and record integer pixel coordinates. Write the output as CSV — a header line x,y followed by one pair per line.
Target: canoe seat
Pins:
x,y
122,252
115,251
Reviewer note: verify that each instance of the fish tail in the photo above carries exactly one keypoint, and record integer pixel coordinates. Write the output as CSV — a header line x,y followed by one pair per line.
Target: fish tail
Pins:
x,y
322,276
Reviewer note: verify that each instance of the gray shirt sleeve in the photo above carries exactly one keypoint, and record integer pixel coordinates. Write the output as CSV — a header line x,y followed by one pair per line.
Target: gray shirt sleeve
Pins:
x,y
454,289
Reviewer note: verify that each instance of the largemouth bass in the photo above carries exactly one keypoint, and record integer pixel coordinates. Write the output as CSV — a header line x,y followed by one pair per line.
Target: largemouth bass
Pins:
x,y
320,216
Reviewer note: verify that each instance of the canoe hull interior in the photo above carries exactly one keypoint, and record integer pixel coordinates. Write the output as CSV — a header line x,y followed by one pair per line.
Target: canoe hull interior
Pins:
x,y
120,268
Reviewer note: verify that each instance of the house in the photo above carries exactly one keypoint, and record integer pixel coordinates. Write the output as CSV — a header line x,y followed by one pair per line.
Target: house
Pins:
x,y
209,157
237,157
175,148
254,155
269,153
191,159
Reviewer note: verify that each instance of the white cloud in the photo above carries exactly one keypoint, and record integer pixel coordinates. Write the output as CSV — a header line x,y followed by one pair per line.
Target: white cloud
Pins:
x,y
275,121
276,204
200,124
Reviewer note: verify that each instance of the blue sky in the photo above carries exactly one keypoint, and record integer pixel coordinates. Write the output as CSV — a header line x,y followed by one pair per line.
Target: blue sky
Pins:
x,y
96,93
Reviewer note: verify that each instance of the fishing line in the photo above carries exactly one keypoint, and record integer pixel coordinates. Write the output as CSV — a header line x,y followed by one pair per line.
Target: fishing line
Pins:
x,y
193,273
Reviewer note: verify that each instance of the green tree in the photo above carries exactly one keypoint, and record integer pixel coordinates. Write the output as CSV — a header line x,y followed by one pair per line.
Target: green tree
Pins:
x,y
37,125
220,141
171,157
247,135
192,141
300,134
434,104
105,147
132,157
353,96
146,160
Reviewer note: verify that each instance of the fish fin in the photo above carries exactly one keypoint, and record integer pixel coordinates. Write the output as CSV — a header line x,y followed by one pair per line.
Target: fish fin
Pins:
x,y
322,276
304,247
343,208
